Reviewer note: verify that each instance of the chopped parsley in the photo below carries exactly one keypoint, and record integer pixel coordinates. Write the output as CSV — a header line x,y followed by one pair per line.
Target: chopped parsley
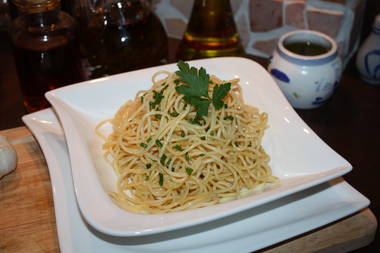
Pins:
x,y
148,165
189,171
203,138
174,114
229,117
158,143
143,145
157,96
179,148
162,159
161,179
187,157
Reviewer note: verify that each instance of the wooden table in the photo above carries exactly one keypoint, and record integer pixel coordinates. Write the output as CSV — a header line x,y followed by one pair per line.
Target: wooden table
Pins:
x,y
27,221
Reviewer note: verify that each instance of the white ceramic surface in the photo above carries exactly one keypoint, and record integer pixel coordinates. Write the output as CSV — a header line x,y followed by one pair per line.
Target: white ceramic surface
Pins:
x,y
368,57
244,232
298,157
306,81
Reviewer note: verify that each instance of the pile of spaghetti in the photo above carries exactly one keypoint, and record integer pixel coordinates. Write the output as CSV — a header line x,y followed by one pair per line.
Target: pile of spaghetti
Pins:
x,y
188,142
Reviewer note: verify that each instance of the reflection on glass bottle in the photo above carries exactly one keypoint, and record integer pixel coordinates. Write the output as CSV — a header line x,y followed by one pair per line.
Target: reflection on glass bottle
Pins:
x,y
122,35
46,50
211,32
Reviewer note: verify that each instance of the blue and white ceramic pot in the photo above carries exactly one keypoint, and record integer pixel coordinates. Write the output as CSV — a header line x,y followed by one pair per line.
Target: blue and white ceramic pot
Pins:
x,y
368,58
306,79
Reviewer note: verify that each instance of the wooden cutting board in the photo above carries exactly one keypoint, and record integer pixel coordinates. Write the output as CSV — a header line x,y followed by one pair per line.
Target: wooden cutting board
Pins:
x,y
27,221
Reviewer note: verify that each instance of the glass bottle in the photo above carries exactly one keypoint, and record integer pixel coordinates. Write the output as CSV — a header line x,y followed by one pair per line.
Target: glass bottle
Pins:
x,y
211,32
4,15
46,50
121,35
368,58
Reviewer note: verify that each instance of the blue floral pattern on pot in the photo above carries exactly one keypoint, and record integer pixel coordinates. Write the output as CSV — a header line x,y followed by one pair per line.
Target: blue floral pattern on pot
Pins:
x,y
374,70
368,57
318,101
280,75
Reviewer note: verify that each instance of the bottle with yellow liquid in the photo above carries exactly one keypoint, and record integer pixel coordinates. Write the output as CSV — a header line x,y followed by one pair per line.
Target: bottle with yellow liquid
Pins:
x,y
211,32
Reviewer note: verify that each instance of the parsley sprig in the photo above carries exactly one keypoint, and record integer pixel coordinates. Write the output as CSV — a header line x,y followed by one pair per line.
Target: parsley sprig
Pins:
x,y
194,86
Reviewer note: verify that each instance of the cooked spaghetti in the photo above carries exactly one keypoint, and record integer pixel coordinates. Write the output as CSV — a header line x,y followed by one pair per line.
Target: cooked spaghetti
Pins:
x,y
167,158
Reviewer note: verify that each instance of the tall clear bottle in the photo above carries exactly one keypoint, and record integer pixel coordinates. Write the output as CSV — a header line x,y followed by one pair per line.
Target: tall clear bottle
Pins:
x,y
46,50
211,32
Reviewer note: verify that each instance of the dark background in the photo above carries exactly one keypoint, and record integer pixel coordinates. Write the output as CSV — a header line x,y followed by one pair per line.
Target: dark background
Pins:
x,y
349,122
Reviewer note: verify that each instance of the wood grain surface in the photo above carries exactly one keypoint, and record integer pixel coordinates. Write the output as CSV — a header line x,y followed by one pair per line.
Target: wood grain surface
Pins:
x,y
27,220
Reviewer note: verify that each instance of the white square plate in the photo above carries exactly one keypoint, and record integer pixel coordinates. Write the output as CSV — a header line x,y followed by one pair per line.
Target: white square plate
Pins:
x,y
299,158
246,231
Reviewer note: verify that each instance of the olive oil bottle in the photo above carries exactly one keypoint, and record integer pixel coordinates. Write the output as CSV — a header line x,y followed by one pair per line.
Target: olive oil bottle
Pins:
x,y
211,32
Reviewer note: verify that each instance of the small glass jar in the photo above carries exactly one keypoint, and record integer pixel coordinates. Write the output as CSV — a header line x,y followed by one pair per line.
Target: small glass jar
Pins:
x,y
306,67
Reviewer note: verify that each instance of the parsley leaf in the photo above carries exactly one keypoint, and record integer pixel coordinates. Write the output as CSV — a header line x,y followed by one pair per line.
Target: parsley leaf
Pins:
x,y
218,93
200,104
194,85
195,82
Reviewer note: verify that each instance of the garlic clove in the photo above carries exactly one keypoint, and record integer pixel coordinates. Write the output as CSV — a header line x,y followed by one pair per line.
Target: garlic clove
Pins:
x,y
8,157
